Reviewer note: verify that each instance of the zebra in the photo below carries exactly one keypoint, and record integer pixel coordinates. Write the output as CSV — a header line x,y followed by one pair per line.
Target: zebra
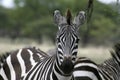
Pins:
x,y
86,69
13,65
60,65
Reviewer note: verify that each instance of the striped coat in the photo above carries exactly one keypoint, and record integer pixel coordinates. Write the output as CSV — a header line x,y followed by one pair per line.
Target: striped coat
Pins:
x,y
19,62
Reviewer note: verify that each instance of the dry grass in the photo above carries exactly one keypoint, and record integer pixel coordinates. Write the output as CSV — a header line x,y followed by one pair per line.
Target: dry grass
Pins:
x,y
10,45
98,54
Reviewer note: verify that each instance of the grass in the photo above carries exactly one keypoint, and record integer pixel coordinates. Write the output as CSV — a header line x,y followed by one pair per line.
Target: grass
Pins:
x,y
96,53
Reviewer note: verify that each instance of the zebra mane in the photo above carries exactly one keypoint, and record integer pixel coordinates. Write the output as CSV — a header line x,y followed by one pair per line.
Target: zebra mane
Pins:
x,y
114,60
3,57
116,53
68,17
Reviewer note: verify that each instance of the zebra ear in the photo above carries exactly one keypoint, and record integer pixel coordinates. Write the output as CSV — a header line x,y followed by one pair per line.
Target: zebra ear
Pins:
x,y
79,19
58,18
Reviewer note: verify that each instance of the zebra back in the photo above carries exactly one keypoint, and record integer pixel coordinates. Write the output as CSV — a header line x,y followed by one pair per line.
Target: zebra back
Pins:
x,y
19,62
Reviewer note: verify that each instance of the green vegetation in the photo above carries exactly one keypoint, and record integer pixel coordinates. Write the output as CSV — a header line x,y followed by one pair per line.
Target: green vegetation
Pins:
x,y
34,19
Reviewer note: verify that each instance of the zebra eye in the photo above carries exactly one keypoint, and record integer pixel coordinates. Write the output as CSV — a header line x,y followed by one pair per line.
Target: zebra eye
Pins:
x,y
73,59
74,54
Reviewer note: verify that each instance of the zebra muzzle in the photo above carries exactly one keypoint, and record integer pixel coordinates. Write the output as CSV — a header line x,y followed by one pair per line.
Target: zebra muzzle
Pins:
x,y
67,66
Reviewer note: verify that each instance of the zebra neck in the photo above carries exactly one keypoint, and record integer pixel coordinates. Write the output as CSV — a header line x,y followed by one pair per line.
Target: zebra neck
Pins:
x,y
58,75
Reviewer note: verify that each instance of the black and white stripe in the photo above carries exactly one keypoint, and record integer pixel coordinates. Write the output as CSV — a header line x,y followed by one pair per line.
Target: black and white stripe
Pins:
x,y
86,69
110,69
17,63
48,69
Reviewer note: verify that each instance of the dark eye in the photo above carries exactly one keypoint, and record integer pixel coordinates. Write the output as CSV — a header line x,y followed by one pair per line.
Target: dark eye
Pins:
x,y
73,59
75,53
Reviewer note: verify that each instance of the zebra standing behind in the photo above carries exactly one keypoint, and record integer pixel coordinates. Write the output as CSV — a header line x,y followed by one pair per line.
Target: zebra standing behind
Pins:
x,y
86,69
16,64
60,66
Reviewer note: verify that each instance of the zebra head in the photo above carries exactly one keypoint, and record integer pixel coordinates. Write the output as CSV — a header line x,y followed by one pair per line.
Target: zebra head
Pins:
x,y
67,38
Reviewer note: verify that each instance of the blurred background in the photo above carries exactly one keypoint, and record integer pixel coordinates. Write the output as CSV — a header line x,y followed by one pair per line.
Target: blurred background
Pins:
x,y
25,23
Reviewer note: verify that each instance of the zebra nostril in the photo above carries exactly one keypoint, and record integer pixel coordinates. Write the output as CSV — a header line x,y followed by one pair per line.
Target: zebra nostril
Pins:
x,y
67,65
